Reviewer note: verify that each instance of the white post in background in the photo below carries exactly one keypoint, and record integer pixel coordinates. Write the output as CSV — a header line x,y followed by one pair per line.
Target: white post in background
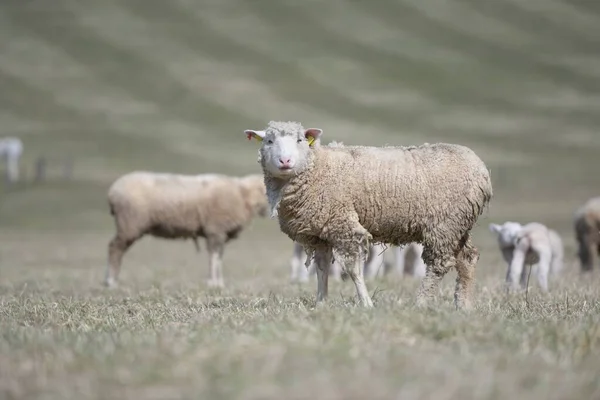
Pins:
x,y
11,149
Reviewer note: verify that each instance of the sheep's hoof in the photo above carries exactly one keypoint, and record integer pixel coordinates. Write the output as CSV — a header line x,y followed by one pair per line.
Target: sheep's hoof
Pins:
x,y
421,302
463,305
320,303
215,283
367,304
111,283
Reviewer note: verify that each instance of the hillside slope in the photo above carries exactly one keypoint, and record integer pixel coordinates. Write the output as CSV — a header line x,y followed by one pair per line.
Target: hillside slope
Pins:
x,y
170,86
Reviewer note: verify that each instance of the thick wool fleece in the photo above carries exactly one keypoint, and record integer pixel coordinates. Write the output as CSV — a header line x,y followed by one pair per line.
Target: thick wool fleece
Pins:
x,y
342,197
171,206
586,223
430,194
181,206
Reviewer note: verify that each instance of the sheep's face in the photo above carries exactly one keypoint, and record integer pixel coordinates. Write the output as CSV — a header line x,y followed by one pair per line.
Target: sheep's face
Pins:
x,y
506,232
285,147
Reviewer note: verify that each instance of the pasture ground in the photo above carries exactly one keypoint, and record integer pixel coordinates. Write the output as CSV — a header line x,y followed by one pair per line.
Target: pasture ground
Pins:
x,y
170,86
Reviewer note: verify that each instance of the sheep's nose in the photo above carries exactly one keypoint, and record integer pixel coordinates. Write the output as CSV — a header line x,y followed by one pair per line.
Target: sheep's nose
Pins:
x,y
285,161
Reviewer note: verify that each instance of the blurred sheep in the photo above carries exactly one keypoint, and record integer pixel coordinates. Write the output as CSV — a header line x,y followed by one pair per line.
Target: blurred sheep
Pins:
x,y
171,206
529,245
586,223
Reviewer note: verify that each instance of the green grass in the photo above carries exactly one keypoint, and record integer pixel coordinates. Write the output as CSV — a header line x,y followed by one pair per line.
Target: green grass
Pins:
x,y
170,86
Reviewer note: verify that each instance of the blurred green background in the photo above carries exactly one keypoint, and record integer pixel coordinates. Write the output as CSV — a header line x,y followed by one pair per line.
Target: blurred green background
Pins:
x,y
171,85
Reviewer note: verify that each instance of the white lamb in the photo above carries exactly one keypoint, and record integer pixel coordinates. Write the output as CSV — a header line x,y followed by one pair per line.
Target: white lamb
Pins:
x,y
530,244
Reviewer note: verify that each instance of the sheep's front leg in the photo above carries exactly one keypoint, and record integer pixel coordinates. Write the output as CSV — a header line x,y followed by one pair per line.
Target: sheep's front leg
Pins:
x,y
515,270
588,252
525,274
116,249
543,269
350,243
215,246
323,258
354,268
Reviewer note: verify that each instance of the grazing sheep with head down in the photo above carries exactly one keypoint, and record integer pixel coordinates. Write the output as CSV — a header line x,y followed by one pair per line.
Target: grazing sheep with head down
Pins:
x,y
529,244
335,200
586,223
171,206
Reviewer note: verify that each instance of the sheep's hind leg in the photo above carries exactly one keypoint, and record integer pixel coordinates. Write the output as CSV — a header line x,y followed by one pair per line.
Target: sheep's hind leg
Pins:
x,y
322,260
438,264
215,246
543,269
465,267
116,249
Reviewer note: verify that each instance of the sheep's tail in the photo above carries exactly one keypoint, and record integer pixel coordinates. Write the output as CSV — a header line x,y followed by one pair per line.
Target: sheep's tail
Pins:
x,y
196,244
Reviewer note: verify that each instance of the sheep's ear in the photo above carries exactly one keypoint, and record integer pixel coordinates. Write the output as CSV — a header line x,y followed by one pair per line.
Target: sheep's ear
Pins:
x,y
258,135
494,228
312,135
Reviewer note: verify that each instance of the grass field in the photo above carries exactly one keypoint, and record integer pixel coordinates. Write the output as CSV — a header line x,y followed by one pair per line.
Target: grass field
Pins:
x,y
170,86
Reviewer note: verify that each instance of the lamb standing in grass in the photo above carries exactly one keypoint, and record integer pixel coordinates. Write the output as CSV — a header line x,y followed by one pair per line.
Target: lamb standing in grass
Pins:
x,y
335,200
586,223
408,261
301,273
170,206
529,244
394,261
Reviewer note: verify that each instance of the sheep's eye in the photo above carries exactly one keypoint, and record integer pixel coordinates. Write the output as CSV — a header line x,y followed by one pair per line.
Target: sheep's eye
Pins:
x,y
299,140
269,141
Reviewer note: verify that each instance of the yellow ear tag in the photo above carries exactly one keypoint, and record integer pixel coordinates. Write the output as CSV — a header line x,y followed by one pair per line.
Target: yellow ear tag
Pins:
x,y
311,139
249,135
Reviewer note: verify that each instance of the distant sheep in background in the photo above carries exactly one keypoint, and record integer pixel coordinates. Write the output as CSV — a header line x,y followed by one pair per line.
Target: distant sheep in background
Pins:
x,y
403,260
300,273
529,244
171,206
586,223
335,200
408,260
11,149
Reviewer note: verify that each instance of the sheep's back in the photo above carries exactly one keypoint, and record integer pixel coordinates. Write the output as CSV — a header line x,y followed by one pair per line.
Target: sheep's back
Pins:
x,y
173,205
406,192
